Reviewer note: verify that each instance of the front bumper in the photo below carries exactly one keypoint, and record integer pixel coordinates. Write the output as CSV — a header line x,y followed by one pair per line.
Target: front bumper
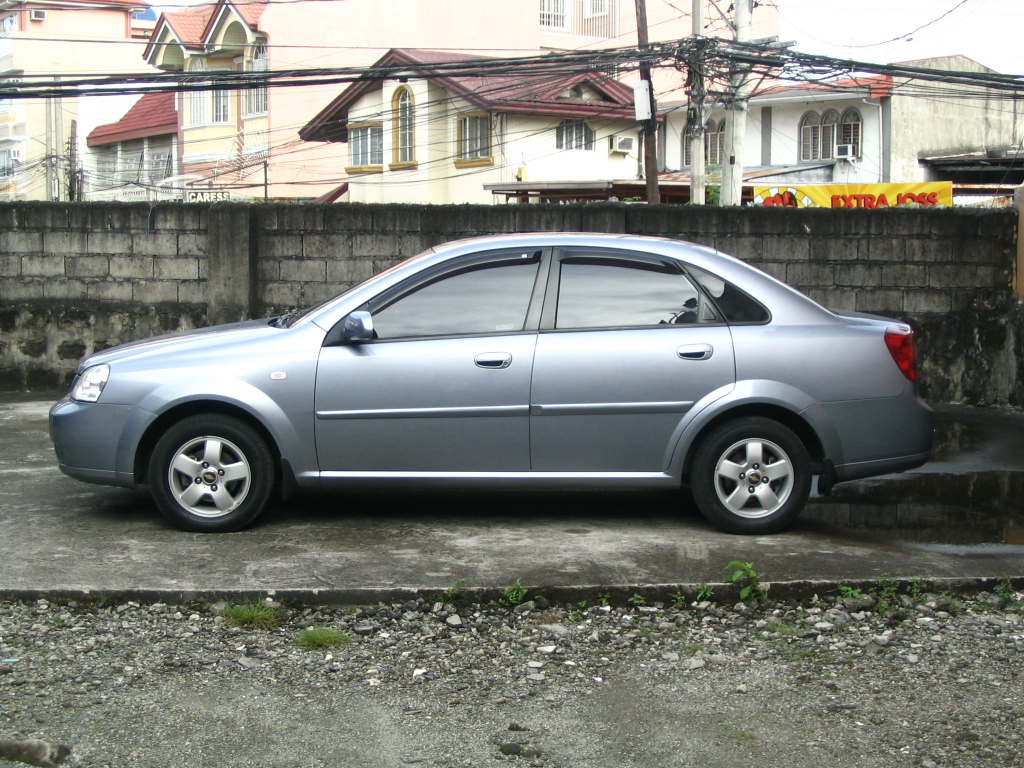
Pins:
x,y
92,443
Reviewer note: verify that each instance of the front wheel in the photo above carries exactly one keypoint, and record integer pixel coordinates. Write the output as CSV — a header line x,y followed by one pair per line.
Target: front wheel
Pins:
x,y
751,476
211,473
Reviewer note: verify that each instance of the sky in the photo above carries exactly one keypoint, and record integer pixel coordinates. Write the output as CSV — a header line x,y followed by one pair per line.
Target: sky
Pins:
x,y
989,31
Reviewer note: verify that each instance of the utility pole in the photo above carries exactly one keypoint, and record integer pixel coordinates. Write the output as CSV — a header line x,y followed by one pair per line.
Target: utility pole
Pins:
x,y
650,128
736,115
74,193
695,114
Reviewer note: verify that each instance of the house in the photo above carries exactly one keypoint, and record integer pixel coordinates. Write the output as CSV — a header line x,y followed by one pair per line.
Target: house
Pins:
x,y
246,142
136,157
441,138
871,129
41,139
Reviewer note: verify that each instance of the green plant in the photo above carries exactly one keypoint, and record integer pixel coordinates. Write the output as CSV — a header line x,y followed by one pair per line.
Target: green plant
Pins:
x,y
637,600
602,599
319,638
691,648
745,575
1004,589
848,592
513,594
917,589
705,593
885,589
678,599
453,594
256,615
781,627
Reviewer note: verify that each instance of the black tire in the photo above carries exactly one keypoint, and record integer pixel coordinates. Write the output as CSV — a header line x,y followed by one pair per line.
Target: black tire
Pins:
x,y
211,473
733,481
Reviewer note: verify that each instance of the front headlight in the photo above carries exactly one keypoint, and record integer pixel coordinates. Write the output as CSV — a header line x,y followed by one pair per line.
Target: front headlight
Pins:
x,y
90,384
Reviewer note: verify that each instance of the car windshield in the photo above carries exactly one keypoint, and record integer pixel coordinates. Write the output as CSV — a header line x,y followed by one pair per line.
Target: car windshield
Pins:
x,y
292,318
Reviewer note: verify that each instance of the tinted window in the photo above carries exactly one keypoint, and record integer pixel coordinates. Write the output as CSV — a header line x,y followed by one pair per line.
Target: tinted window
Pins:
x,y
486,298
610,293
735,305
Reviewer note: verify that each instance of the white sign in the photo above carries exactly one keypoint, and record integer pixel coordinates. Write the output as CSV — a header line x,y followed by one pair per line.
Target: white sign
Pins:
x,y
206,196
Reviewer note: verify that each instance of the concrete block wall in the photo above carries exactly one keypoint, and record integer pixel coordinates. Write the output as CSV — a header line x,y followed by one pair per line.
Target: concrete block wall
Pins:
x,y
77,277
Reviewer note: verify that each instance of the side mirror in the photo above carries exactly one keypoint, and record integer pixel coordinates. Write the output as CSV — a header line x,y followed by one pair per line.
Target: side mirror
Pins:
x,y
357,327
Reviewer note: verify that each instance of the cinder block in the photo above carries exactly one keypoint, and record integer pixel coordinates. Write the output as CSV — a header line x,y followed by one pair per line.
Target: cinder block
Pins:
x,y
110,290
858,275
283,295
928,250
920,301
810,274
351,217
193,244
87,266
952,276
537,218
268,270
15,288
833,249
375,245
64,289
131,266
399,218
42,266
10,265
743,247
326,246
65,243
774,268
349,271
21,242
834,298
115,243
878,248
885,301
192,292
175,269
155,291
280,246
785,248
155,244
904,275
304,270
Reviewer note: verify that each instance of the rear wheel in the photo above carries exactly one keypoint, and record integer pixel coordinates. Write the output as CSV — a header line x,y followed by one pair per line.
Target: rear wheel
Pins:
x,y
211,473
751,476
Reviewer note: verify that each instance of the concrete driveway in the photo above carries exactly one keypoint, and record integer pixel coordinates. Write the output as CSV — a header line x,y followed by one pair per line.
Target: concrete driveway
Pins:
x,y
60,535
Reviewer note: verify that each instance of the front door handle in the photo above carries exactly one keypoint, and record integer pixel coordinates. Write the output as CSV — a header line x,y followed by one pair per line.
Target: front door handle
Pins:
x,y
695,351
494,360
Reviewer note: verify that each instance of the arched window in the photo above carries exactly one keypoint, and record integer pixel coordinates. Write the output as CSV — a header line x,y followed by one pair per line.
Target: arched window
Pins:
x,y
849,130
810,137
574,134
402,137
829,123
256,98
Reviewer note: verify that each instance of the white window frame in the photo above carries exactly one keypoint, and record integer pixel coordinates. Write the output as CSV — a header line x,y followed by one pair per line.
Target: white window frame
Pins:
x,y
366,145
221,107
554,14
255,101
574,134
474,136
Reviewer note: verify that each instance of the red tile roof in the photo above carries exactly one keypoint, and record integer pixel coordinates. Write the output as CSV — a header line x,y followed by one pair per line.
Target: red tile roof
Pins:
x,y
533,94
188,25
152,115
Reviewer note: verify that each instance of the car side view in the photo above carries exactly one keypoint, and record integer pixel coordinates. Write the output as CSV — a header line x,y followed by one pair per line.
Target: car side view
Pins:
x,y
533,361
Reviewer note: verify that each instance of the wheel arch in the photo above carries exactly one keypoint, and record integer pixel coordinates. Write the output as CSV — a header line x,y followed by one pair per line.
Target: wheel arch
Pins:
x,y
162,423
793,421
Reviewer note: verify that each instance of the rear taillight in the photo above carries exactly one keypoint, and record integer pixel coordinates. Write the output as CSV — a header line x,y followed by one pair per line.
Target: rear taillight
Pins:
x,y
900,342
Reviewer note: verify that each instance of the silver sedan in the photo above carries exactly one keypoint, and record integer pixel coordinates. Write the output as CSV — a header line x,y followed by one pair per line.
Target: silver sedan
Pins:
x,y
522,361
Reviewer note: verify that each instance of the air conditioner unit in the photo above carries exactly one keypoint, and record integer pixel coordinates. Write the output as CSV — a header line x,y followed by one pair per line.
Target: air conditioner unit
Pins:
x,y
17,154
846,151
36,14
621,144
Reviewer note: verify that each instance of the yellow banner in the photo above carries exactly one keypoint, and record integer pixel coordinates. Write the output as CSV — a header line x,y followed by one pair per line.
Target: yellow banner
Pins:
x,y
927,193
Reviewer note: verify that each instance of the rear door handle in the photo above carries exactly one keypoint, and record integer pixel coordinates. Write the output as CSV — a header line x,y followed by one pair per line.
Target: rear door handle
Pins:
x,y
695,351
495,360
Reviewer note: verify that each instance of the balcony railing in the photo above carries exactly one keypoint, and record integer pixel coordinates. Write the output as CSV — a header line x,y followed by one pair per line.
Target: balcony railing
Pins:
x,y
583,18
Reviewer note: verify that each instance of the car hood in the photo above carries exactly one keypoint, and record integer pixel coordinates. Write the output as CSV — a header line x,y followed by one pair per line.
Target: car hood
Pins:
x,y
199,338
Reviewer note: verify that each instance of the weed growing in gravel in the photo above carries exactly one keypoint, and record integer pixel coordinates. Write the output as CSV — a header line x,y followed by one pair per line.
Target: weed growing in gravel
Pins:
x,y
678,600
513,595
885,590
602,599
637,601
917,589
319,638
1011,598
705,593
745,575
252,615
453,594
848,592
691,648
781,627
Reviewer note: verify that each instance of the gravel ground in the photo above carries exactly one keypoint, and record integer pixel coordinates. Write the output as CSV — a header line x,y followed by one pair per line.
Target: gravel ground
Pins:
x,y
921,680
